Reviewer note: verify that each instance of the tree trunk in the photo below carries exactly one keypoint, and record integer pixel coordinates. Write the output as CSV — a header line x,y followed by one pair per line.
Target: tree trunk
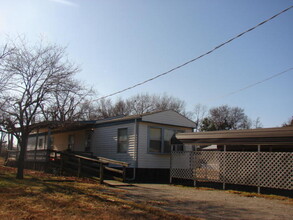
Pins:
x,y
20,164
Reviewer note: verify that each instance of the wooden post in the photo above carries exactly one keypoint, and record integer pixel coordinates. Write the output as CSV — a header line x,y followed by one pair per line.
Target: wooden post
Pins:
x,y
79,167
101,173
124,174
61,163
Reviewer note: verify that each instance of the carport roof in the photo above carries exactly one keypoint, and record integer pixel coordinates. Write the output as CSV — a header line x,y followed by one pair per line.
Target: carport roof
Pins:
x,y
263,136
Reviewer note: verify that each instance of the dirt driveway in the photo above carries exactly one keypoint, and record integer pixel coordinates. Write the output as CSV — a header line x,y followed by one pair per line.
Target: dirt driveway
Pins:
x,y
207,204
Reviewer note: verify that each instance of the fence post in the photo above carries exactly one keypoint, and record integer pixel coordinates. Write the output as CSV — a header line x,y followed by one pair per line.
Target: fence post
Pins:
x,y
224,170
258,169
194,157
101,173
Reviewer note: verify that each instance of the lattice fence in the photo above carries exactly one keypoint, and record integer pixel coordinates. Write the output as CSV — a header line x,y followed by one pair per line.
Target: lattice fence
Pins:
x,y
262,169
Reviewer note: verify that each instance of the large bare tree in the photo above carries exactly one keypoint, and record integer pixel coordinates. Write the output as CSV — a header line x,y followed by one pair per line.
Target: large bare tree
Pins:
x,y
32,74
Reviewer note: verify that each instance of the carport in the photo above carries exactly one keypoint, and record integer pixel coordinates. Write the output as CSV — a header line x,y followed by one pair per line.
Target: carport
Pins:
x,y
254,157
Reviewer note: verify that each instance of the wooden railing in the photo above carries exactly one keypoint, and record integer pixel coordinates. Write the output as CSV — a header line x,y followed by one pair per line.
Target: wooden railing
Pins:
x,y
86,166
61,162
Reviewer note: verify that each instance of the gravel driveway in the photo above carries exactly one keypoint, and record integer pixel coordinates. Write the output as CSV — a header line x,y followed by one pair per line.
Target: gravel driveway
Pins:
x,y
208,204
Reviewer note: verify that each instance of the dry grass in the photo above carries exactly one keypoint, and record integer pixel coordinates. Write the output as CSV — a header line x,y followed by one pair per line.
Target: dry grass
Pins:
x,y
284,199
43,196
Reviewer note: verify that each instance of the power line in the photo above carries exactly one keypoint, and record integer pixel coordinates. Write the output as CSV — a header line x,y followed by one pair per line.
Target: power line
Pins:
x,y
192,60
251,85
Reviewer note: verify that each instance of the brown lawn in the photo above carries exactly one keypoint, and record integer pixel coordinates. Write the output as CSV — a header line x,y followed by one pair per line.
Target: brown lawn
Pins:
x,y
44,196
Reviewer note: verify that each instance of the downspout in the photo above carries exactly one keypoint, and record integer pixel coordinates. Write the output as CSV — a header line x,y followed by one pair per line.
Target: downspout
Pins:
x,y
136,150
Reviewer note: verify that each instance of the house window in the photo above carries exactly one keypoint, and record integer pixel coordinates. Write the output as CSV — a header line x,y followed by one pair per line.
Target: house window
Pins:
x,y
160,140
155,145
51,142
178,147
40,144
70,142
88,141
122,140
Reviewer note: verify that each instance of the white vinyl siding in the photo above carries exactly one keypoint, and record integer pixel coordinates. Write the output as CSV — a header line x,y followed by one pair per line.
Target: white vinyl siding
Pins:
x,y
104,143
151,160
169,118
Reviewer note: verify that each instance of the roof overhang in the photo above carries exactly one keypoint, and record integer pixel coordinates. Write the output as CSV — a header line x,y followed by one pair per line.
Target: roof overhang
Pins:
x,y
263,136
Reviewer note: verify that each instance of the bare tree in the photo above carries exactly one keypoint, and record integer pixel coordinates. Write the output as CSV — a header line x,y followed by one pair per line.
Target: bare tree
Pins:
x,y
121,108
32,74
71,102
226,118
2,140
289,122
140,104
5,51
257,123
104,109
199,113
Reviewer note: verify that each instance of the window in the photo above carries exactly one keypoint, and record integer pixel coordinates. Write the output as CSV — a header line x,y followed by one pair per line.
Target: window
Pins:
x,y
40,144
70,142
178,147
168,134
88,141
155,140
160,139
51,142
122,140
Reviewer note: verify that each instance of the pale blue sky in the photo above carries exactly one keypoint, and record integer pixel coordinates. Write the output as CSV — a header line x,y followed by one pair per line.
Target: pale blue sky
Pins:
x,y
119,43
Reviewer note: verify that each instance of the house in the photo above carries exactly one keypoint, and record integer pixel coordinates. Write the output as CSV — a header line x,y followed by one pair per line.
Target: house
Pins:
x,y
143,141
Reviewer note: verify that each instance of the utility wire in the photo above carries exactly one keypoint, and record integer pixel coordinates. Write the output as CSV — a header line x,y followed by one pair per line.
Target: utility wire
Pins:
x,y
192,60
251,85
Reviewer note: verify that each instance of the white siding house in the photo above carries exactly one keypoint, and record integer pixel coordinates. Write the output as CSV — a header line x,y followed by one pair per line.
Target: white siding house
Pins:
x,y
143,141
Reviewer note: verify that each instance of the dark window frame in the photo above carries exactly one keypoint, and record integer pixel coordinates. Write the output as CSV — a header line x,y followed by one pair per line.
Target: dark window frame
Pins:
x,y
163,133
120,143
41,143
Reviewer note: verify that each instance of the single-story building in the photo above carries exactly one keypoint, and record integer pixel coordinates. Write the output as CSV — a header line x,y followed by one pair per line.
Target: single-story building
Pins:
x,y
143,141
